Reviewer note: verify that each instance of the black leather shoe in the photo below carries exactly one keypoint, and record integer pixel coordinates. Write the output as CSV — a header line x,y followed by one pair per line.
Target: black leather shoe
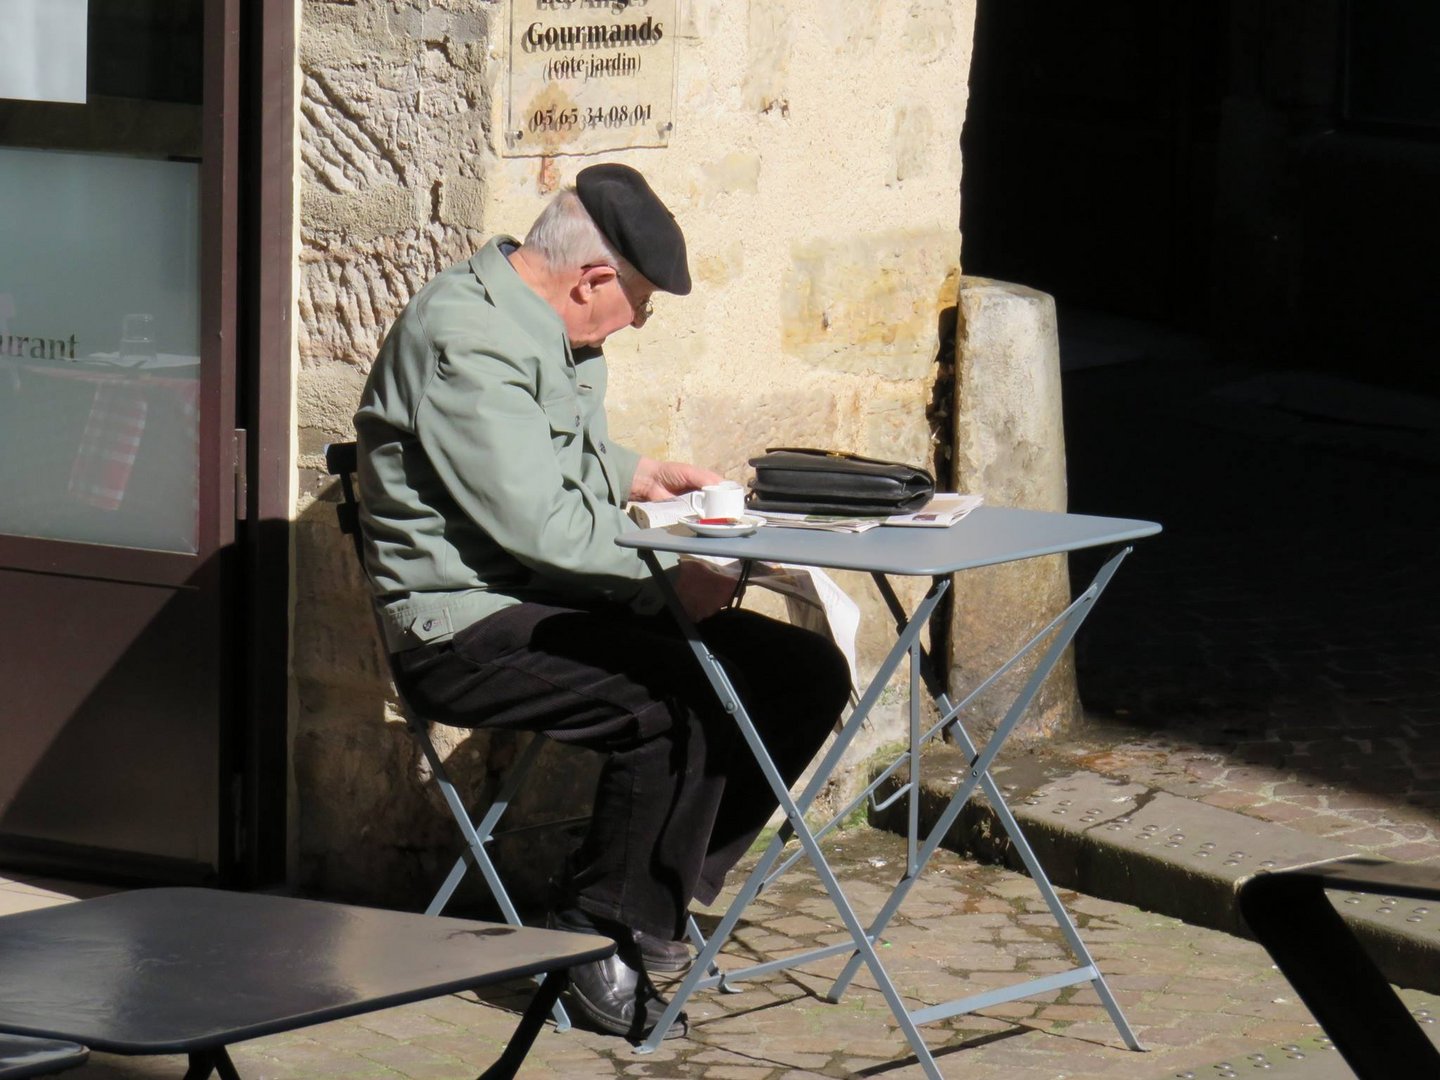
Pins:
x,y
615,995
611,996
656,953
661,954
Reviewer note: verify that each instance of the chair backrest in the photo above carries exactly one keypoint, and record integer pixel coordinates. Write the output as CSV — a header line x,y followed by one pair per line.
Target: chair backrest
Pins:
x,y
342,459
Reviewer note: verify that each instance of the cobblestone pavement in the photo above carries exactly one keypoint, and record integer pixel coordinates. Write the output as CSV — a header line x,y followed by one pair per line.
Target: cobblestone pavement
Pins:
x,y
1195,997
1274,650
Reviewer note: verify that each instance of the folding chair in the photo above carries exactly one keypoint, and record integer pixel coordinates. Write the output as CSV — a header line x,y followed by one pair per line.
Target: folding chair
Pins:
x,y
341,461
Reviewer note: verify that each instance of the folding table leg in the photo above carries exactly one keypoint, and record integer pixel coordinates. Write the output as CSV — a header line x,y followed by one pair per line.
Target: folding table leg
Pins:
x,y
546,997
794,814
909,789
216,1060
1066,629
704,967
1052,901
979,767
795,817
912,818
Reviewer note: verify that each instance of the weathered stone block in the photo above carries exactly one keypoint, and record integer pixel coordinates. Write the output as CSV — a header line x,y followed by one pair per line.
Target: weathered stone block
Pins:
x,y
870,304
735,172
997,609
931,27
1010,436
327,396
349,295
461,202
642,420
737,428
718,266
911,141
771,40
344,147
893,419
363,215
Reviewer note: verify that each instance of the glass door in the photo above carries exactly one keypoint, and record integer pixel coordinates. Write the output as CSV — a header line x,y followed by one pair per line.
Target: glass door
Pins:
x,y
117,361
100,281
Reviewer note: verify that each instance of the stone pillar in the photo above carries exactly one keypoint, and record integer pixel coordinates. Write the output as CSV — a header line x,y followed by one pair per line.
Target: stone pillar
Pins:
x,y
1010,448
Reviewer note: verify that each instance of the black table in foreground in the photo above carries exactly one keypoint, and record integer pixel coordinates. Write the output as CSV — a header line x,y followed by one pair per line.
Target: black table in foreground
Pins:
x,y
1289,914
190,971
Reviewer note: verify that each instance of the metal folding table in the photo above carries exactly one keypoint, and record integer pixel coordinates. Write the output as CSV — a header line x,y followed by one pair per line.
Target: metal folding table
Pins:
x,y
988,536
190,971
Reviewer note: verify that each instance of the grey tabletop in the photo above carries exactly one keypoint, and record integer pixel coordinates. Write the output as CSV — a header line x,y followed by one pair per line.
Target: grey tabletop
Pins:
x,y
179,970
984,537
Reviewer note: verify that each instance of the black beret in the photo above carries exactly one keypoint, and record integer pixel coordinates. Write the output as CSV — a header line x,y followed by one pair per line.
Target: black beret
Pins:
x,y
636,223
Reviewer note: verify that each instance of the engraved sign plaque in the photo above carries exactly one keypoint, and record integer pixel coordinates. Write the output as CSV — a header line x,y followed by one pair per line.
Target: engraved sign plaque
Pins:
x,y
590,75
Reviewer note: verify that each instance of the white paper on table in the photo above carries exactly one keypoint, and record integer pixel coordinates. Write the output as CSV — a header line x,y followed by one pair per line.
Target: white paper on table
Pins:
x,y
43,50
813,600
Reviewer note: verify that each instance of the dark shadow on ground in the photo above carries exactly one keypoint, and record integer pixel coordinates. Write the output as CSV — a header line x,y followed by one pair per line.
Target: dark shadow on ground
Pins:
x,y
1290,612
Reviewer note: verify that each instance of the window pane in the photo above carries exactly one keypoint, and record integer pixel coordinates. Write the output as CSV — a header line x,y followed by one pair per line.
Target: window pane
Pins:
x,y
99,291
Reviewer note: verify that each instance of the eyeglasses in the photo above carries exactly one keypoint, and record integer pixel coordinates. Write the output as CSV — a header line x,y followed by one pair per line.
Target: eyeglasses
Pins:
x,y
642,309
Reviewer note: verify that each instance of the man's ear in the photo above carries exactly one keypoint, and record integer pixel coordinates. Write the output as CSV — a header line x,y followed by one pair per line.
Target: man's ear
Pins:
x,y
592,278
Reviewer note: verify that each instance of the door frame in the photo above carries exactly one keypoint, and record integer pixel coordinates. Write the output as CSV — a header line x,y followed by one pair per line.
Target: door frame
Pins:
x,y
266,455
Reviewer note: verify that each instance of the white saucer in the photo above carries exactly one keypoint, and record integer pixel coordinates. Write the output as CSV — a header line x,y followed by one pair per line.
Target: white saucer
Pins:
x,y
741,526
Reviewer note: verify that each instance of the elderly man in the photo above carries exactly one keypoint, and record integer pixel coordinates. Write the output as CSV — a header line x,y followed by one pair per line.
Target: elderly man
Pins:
x,y
492,496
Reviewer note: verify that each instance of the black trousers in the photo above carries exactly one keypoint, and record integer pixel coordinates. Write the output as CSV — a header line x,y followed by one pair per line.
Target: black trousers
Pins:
x,y
680,797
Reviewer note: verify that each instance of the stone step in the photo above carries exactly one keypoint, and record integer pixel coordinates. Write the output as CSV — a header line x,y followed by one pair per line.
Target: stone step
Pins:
x,y
1305,1059
1129,843
1308,1059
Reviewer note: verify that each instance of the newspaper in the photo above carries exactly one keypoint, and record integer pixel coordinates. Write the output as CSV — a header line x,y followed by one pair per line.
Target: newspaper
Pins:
x,y
812,598
943,510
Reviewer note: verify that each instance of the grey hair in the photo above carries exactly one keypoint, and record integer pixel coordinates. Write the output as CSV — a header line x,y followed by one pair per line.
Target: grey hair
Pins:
x,y
566,238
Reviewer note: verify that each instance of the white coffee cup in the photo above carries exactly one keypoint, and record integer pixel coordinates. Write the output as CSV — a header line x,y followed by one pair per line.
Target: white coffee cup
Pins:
x,y
723,500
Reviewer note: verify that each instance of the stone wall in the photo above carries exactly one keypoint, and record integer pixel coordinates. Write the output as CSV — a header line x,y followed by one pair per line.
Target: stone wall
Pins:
x,y
815,168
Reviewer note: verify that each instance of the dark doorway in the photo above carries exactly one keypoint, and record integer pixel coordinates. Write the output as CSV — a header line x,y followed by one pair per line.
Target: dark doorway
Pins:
x,y
1090,151
1260,175
1233,205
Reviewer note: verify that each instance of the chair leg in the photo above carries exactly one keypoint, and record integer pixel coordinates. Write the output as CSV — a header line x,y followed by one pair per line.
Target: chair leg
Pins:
x,y
450,884
478,833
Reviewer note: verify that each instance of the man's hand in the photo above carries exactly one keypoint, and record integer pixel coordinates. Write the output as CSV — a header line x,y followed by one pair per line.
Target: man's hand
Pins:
x,y
656,480
703,590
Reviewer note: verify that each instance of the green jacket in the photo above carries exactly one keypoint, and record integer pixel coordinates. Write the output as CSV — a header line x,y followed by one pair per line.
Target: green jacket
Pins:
x,y
487,476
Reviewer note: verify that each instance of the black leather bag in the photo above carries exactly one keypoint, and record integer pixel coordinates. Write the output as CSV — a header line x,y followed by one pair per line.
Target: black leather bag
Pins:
x,y
803,481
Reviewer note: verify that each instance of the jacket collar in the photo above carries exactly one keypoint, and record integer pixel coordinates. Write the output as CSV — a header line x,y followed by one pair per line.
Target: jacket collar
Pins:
x,y
511,295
